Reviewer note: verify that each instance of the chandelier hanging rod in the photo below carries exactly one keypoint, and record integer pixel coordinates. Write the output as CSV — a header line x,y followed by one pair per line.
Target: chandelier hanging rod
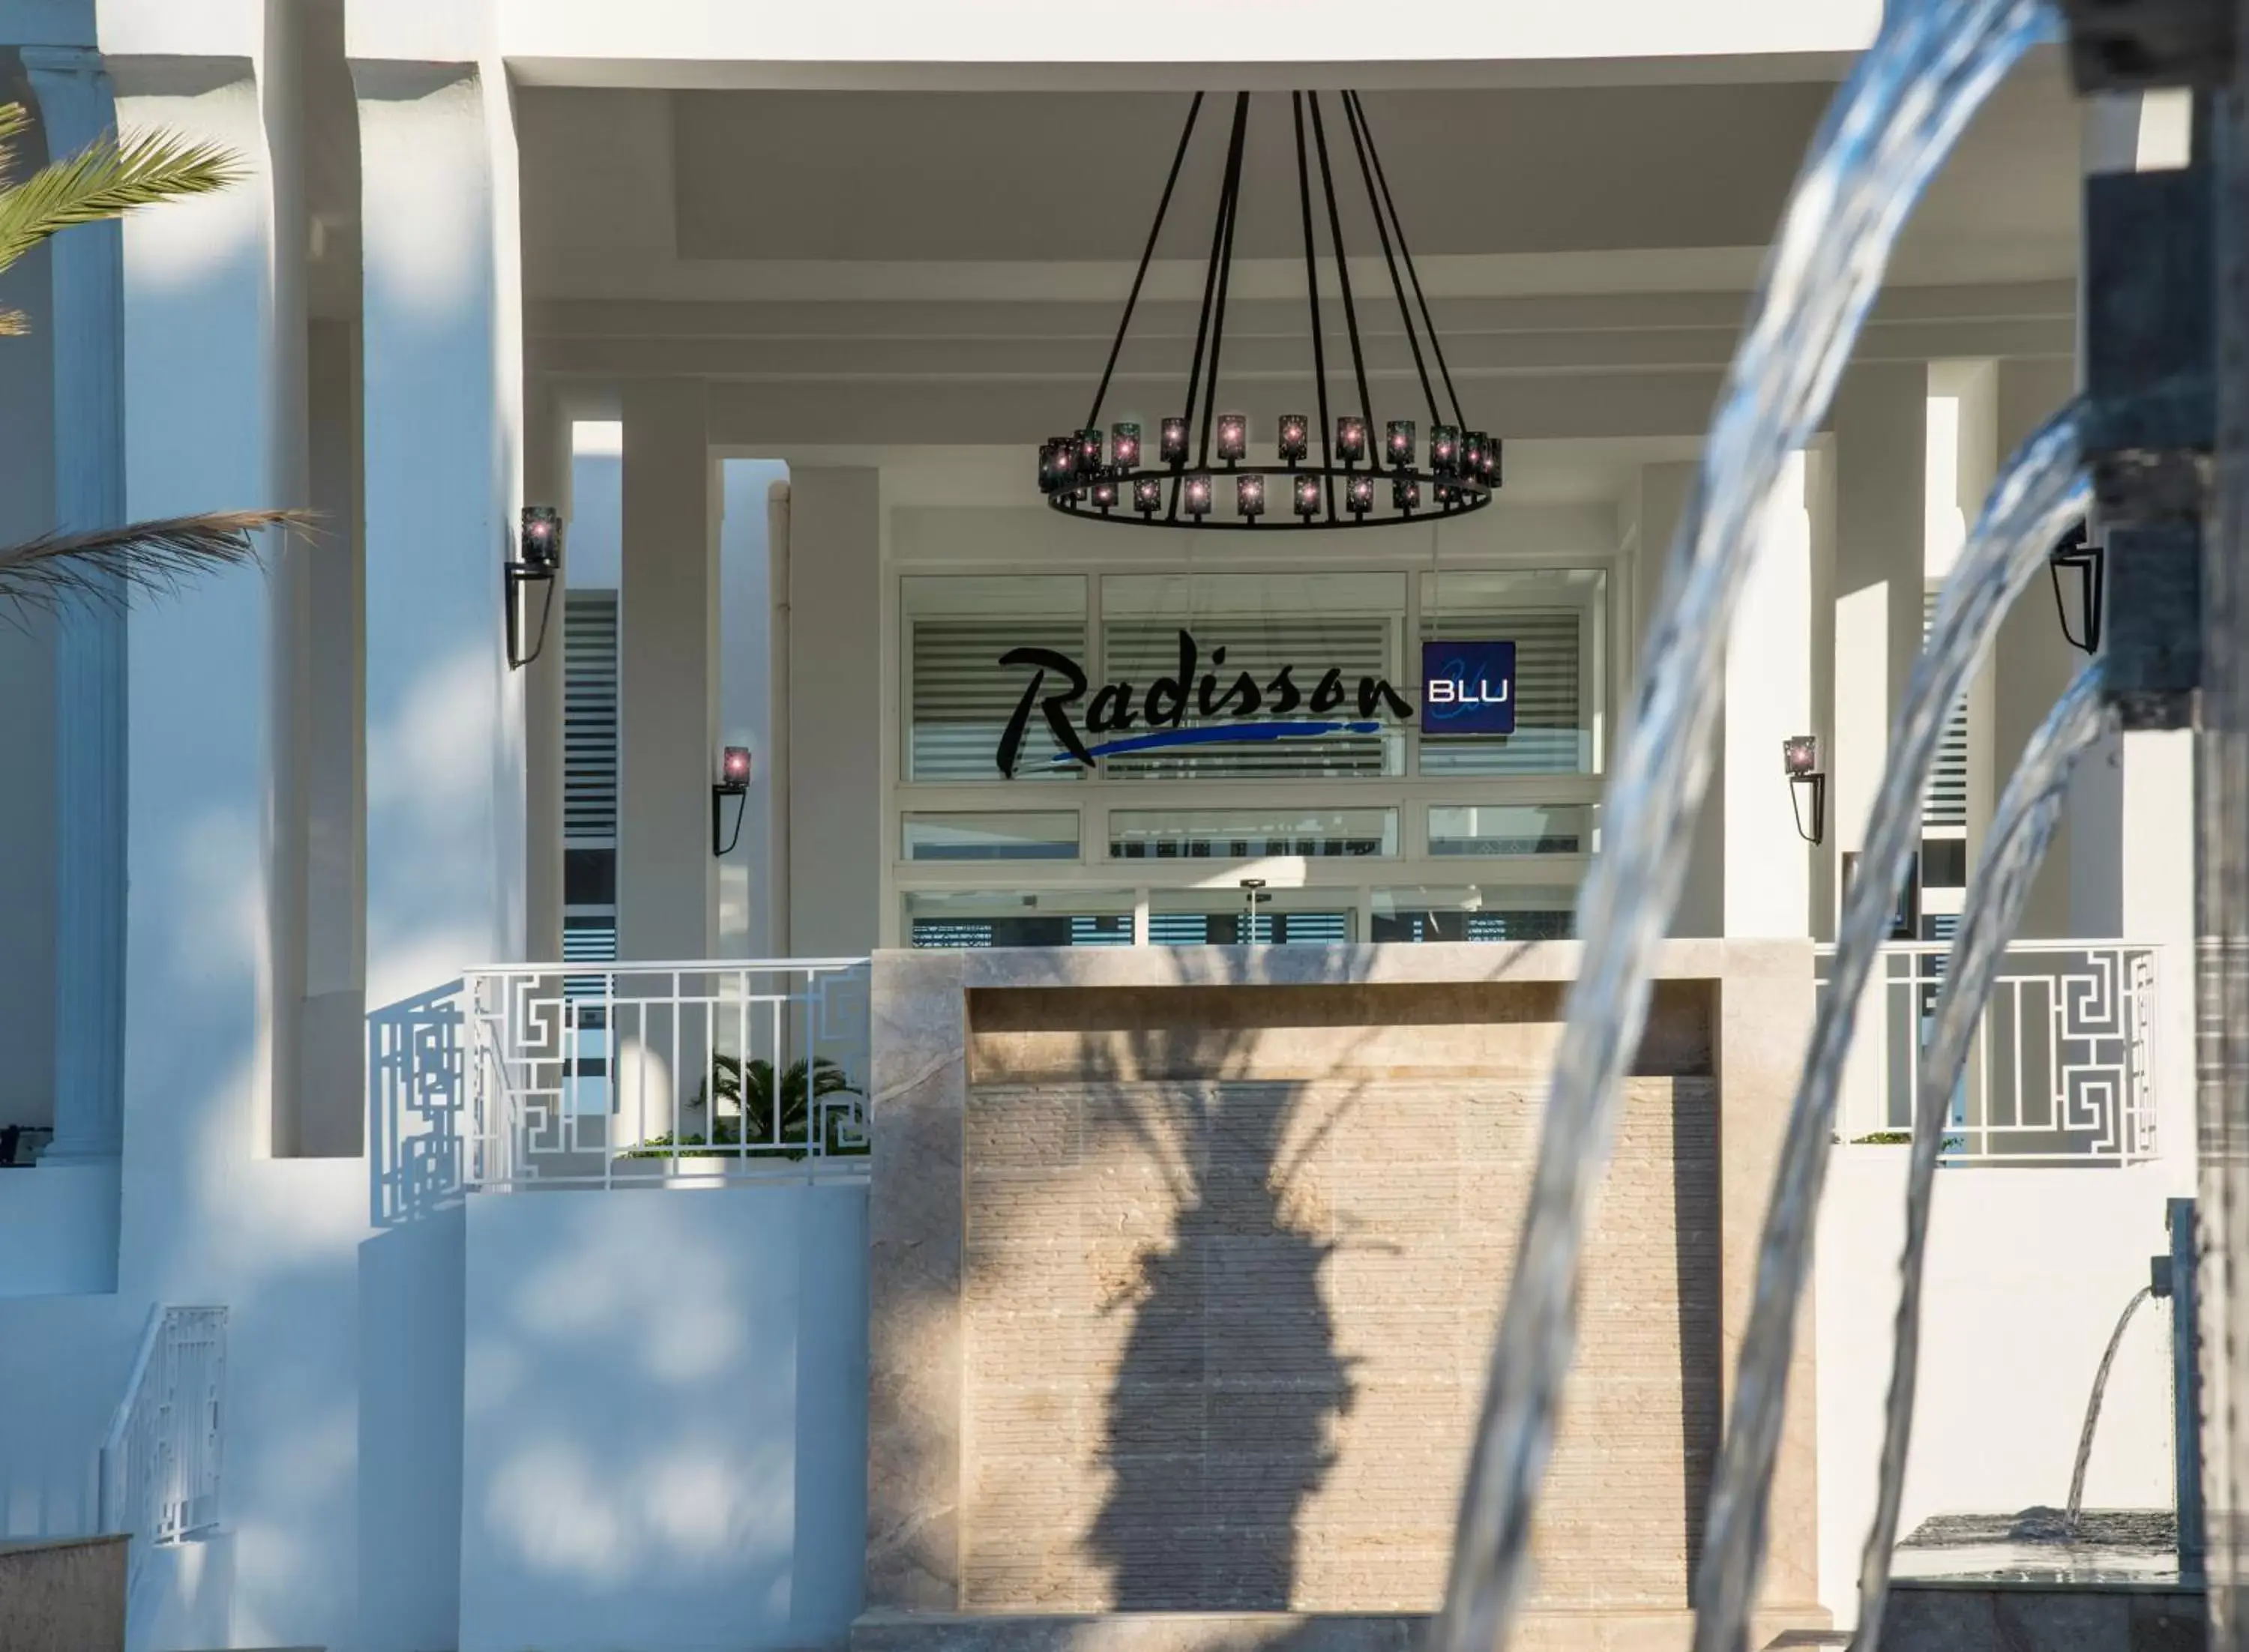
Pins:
x,y
1463,465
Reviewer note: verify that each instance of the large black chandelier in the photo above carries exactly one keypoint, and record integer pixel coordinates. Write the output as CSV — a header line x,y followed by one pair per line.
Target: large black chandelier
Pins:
x,y
1202,455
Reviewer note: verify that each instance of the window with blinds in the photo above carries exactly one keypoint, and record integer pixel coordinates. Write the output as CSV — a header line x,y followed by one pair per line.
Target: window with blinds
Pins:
x,y
1945,796
1555,619
589,715
959,695
589,776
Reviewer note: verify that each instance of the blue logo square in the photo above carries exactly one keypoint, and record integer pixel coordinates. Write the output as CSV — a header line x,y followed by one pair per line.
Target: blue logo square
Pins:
x,y
1467,688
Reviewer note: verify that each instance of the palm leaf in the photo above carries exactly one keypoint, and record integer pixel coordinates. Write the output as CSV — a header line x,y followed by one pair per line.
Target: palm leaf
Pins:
x,y
106,179
15,121
106,565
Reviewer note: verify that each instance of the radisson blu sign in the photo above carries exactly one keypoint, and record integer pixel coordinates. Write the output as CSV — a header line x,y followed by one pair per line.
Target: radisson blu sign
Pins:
x,y
1467,688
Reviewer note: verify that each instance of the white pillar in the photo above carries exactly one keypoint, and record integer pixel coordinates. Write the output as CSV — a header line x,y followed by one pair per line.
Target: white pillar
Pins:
x,y
745,693
2033,663
667,878
1659,501
1880,449
836,712
86,328
444,384
547,468
1768,864
201,352
1748,871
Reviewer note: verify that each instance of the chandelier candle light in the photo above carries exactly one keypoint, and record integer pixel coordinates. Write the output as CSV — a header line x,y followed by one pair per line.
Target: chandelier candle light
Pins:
x,y
1200,448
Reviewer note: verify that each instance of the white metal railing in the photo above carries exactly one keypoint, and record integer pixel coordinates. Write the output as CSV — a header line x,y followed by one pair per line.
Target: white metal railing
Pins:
x,y
160,1459
2063,1068
636,1074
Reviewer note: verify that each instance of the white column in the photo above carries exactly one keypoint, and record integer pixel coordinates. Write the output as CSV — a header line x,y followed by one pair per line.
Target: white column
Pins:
x,y
1748,871
744,694
1768,863
835,712
1881,454
1659,501
200,430
667,878
547,468
2033,663
444,384
87,326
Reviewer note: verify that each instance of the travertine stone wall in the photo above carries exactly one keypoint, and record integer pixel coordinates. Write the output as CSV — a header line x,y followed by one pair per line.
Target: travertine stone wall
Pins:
x,y
1225,1338
1187,1264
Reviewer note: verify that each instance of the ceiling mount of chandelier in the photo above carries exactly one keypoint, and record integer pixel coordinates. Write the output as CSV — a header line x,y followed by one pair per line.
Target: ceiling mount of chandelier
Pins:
x,y
1325,471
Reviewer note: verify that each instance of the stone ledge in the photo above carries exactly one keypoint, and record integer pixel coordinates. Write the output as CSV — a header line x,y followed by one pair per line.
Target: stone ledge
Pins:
x,y
1622,1630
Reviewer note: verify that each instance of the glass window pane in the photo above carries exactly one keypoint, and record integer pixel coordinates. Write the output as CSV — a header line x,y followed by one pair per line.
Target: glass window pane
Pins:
x,y
1557,618
1268,651
1512,828
1226,917
1054,918
1500,912
991,837
959,697
1250,834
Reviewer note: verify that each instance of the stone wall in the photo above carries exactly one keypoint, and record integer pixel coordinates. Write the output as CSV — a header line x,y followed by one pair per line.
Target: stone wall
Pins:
x,y
1184,1293
1225,1340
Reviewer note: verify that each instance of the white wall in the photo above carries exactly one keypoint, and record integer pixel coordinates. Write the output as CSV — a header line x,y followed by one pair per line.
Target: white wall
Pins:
x,y
2027,1270
665,1419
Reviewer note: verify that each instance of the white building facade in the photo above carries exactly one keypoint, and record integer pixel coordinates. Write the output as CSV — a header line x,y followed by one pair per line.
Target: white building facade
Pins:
x,y
775,307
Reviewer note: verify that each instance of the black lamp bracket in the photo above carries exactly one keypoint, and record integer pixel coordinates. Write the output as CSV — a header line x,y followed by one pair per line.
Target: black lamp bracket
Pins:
x,y
722,839
1815,784
514,576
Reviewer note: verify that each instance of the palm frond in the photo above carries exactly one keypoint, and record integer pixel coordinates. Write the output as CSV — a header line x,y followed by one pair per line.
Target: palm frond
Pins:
x,y
105,180
108,564
15,119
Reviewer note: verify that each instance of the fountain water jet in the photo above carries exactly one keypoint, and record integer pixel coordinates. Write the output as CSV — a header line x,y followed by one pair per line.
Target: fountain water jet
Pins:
x,y
2038,497
1890,127
2021,829
2093,1409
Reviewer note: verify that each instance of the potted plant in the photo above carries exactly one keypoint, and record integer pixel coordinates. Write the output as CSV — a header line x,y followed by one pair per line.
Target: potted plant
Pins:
x,y
768,1121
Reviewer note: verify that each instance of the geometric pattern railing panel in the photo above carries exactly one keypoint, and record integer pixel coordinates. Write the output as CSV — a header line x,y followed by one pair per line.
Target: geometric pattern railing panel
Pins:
x,y
160,1459
2063,1066
635,1074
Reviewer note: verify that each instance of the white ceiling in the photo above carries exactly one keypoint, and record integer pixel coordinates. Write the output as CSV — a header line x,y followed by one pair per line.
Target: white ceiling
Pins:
x,y
929,194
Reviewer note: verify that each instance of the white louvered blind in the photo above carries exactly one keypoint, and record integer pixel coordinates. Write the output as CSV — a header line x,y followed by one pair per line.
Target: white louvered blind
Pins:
x,y
589,769
1551,733
962,696
1944,797
1139,651
589,715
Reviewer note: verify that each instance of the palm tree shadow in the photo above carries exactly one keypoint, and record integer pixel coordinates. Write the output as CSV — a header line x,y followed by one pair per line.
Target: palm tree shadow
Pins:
x,y
1218,1422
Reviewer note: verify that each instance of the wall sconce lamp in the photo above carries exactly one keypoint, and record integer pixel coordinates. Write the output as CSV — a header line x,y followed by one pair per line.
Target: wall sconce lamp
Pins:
x,y
734,782
538,559
1799,761
2085,562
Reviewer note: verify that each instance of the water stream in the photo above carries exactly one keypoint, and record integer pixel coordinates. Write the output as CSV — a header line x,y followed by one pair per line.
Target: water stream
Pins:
x,y
1891,126
2038,496
2021,829
2093,1409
